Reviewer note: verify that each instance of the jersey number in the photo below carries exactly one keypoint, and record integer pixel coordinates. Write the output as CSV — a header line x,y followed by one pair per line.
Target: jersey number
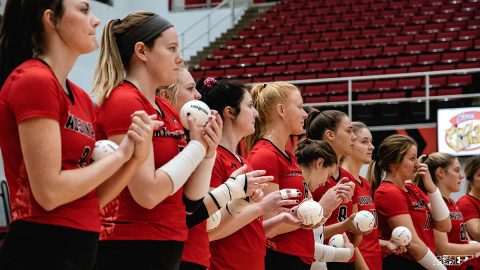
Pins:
x,y
463,232
374,213
428,221
83,158
342,213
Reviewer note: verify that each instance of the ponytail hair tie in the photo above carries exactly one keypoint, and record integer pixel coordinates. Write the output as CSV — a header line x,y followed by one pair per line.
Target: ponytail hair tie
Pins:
x,y
209,82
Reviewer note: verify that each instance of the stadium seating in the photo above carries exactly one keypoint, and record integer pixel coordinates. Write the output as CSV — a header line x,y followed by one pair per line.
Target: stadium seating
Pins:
x,y
309,39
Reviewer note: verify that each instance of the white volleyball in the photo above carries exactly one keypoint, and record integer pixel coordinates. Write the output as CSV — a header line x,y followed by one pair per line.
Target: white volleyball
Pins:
x,y
197,109
364,220
103,148
401,236
310,212
337,241
213,221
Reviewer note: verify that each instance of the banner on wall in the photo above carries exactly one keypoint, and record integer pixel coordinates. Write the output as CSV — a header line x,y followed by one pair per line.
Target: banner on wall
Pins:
x,y
459,131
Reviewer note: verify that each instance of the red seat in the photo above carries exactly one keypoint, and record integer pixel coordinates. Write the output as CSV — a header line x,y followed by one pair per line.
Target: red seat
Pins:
x,y
315,88
275,68
390,94
372,51
409,83
267,59
469,34
337,88
385,84
446,36
454,26
449,91
256,70
369,96
350,73
320,45
371,72
412,29
402,39
339,44
433,27
361,63
458,45
396,70
284,77
438,46
393,50
339,64
383,62
444,66
315,99
287,58
437,81
407,60
210,63
425,37
235,72
338,98
423,68
362,86
350,53
428,59
328,55
450,57
245,61
296,67
415,48
472,56
317,66
360,42
306,76
459,80
464,65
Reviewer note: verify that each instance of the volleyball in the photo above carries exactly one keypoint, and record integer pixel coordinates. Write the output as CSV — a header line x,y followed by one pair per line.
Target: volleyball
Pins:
x,y
310,212
364,221
103,148
337,241
197,109
401,236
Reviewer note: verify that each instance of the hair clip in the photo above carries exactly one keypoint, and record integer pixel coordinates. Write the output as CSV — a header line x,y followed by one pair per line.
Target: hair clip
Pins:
x,y
263,87
209,82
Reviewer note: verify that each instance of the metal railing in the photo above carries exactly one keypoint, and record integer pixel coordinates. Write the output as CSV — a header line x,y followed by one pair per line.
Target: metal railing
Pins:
x,y
243,5
427,98
207,4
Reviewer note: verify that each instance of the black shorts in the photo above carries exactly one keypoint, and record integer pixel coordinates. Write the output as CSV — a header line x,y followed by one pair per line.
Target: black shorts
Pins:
x,y
31,245
191,266
275,260
139,254
340,266
393,261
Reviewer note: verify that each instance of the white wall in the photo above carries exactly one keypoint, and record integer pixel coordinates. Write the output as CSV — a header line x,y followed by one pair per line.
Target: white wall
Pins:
x,y
83,71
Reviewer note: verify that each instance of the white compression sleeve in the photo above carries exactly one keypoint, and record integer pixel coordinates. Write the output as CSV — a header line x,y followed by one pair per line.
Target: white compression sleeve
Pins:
x,y
324,253
235,207
233,188
430,262
199,182
182,165
439,208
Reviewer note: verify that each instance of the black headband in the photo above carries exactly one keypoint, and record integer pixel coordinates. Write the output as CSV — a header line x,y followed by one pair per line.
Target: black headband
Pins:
x,y
146,31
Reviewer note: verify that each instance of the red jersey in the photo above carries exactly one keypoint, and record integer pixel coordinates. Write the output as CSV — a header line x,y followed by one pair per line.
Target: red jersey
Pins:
x,y
248,243
390,200
458,234
344,210
470,207
369,247
32,91
123,218
287,174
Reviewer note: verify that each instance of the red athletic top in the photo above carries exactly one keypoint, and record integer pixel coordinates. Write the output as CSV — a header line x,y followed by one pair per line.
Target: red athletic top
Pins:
x,y
470,207
246,244
32,91
344,210
287,174
123,218
369,247
391,201
458,234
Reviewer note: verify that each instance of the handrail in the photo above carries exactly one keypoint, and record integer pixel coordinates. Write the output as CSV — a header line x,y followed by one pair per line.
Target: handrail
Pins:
x,y
210,27
426,98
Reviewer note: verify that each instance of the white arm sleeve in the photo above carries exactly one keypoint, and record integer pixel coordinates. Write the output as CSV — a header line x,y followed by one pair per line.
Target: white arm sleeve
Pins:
x,y
182,165
439,208
324,253
430,262
199,182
